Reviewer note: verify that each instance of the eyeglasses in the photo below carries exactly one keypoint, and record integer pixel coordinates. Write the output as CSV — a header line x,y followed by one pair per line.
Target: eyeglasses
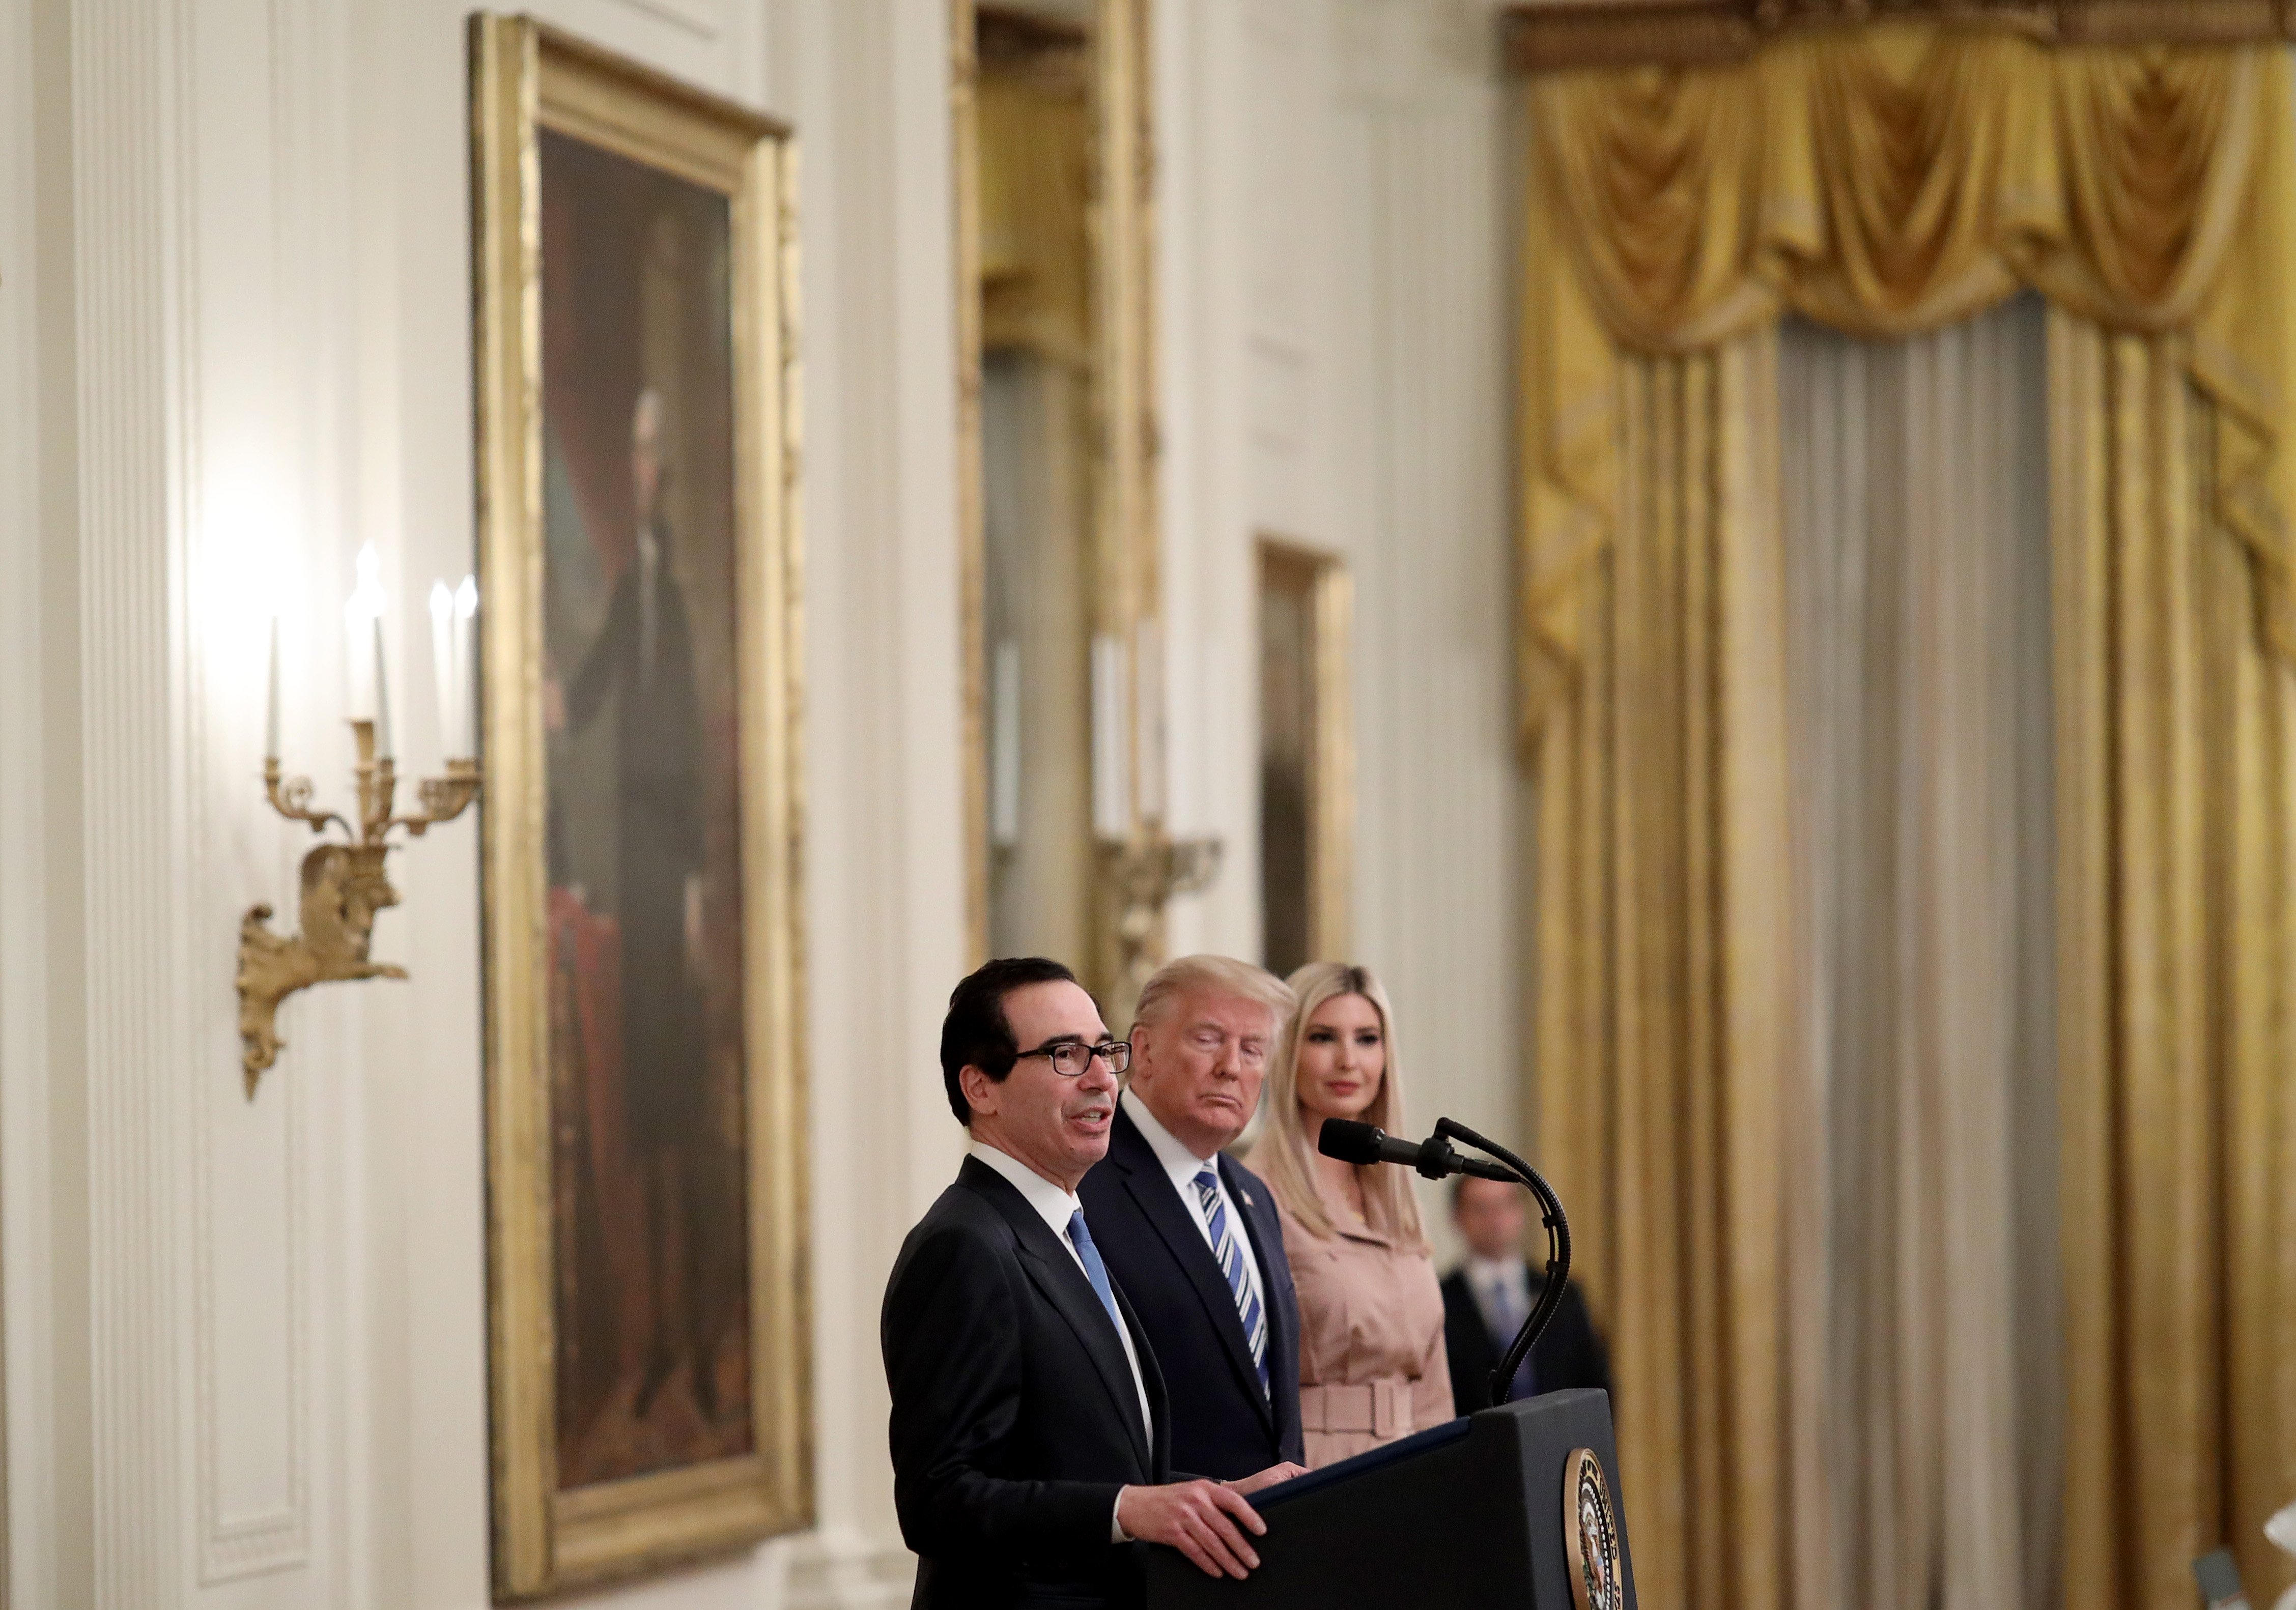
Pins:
x,y
1070,1057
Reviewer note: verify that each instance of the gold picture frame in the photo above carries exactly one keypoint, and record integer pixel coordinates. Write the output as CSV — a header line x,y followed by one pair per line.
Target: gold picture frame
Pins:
x,y
536,91
1118,351
1308,770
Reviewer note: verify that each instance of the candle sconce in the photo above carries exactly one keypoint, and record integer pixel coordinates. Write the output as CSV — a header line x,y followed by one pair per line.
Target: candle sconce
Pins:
x,y
1141,874
344,883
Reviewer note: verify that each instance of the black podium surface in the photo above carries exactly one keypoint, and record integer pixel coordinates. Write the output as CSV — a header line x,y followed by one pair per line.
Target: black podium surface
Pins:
x,y
1471,1513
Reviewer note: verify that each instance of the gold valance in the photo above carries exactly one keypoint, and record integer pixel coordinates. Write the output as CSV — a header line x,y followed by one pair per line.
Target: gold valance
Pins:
x,y
1893,180
1544,36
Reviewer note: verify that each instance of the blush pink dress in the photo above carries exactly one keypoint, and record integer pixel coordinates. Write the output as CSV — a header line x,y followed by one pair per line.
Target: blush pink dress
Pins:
x,y
1372,1366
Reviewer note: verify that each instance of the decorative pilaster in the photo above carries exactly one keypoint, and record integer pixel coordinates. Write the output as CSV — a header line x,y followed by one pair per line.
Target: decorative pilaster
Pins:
x,y
129,199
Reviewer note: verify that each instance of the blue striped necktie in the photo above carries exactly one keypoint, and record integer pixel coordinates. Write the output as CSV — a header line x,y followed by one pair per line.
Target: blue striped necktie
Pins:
x,y
1094,1270
1227,1248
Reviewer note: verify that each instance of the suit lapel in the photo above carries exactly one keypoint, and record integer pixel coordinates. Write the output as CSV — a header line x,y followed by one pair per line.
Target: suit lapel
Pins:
x,y
1149,1187
1053,1272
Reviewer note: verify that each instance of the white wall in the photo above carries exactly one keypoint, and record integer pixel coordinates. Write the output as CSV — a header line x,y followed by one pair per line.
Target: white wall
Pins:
x,y
245,1345
1337,240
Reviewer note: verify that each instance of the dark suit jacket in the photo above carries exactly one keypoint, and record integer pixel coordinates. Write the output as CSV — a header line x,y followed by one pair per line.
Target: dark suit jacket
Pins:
x,y
1222,1426
1014,1419
1569,1354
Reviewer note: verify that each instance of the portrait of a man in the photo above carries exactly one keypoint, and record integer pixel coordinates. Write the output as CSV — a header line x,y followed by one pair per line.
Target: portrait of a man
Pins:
x,y
648,1325
639,709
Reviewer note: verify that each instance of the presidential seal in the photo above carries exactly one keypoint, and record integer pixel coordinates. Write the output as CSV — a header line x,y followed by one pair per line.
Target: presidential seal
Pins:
x,y
1590,1533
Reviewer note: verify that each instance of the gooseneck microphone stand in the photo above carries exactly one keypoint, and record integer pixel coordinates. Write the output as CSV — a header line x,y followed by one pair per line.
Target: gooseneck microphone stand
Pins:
x,y
1436,1158
1558,1253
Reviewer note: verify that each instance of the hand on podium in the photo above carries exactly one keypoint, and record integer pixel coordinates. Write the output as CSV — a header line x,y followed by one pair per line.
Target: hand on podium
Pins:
x,y
1249,1484
1204,1520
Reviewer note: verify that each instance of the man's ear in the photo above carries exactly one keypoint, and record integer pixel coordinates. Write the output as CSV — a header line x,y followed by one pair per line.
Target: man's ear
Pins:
x,y
980,1089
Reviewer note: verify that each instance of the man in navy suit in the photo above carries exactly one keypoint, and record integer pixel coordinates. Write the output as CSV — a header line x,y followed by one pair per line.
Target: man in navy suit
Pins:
x,y
1030,1431
1193,1235
1487,1297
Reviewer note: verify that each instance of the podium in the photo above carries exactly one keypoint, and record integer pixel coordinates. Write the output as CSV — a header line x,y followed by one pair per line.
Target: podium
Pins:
x,y
1498,1509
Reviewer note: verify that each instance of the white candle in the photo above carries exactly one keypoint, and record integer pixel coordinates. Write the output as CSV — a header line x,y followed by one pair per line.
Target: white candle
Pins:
x,y
362,632
1148,702
442,665
358,659
1004,747
1111,808
466,667
381,699
270,712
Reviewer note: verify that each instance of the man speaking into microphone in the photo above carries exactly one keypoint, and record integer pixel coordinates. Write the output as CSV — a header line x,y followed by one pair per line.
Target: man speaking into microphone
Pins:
x,y
1030,1429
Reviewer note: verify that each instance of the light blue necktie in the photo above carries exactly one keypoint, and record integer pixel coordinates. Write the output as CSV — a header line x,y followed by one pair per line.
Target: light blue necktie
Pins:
x,y
1095,1271
1509,1314
1229,1251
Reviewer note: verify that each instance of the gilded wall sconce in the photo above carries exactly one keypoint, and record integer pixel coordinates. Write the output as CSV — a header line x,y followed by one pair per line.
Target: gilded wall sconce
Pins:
x,y
1140,875
345,882
343,885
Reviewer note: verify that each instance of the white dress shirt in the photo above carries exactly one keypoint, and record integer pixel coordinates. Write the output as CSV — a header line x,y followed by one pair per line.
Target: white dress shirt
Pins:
x,y
1055,1208
1183,1165
1502,1288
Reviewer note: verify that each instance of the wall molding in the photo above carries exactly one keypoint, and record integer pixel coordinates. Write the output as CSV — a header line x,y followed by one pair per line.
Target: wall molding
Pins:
x,y
1554,34
129,203
835,1570
277,1537
27,1433
700,17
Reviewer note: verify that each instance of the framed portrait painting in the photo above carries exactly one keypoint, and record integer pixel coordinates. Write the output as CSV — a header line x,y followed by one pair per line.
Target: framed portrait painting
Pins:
x,y
644,1049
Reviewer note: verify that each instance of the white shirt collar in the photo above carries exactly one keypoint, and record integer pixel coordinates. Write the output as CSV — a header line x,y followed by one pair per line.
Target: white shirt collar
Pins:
x,y
1483,1273
1054,1205
1182,1165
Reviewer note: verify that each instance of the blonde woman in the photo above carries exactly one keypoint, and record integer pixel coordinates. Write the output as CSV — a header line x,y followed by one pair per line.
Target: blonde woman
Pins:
x,y
1372,1366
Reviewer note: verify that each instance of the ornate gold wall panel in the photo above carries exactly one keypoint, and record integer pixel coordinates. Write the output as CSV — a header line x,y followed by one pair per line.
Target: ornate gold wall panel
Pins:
x,y
1051,118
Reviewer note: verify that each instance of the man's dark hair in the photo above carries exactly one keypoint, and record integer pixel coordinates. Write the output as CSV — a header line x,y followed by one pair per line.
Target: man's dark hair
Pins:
x,y
976,1033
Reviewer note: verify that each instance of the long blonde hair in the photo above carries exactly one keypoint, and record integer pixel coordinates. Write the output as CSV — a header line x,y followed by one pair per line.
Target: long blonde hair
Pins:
x,y
1283,1156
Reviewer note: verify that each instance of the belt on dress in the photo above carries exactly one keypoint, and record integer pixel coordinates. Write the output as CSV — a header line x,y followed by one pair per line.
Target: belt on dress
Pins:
x,y
1381,1406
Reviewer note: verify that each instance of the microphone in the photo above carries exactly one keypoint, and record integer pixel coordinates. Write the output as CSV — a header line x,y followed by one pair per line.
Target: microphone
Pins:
x,y
1350,1141
1434,1157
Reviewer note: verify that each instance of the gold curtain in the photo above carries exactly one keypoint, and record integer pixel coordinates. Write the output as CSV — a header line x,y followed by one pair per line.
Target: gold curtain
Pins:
x,y
2177,991
1886,181
1663,938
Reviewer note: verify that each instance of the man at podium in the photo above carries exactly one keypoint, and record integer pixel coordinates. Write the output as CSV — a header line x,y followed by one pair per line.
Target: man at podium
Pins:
x,y
1029,1427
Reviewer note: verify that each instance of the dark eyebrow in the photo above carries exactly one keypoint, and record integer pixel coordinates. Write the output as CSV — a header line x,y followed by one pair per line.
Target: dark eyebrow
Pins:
x,y
1060,1040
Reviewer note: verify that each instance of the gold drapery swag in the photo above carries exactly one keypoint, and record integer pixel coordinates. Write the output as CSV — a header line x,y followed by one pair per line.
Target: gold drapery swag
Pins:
x,y
1885,181
1891,181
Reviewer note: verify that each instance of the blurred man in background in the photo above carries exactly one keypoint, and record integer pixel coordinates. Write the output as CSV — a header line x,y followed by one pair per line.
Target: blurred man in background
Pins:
x,y
1489,1296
